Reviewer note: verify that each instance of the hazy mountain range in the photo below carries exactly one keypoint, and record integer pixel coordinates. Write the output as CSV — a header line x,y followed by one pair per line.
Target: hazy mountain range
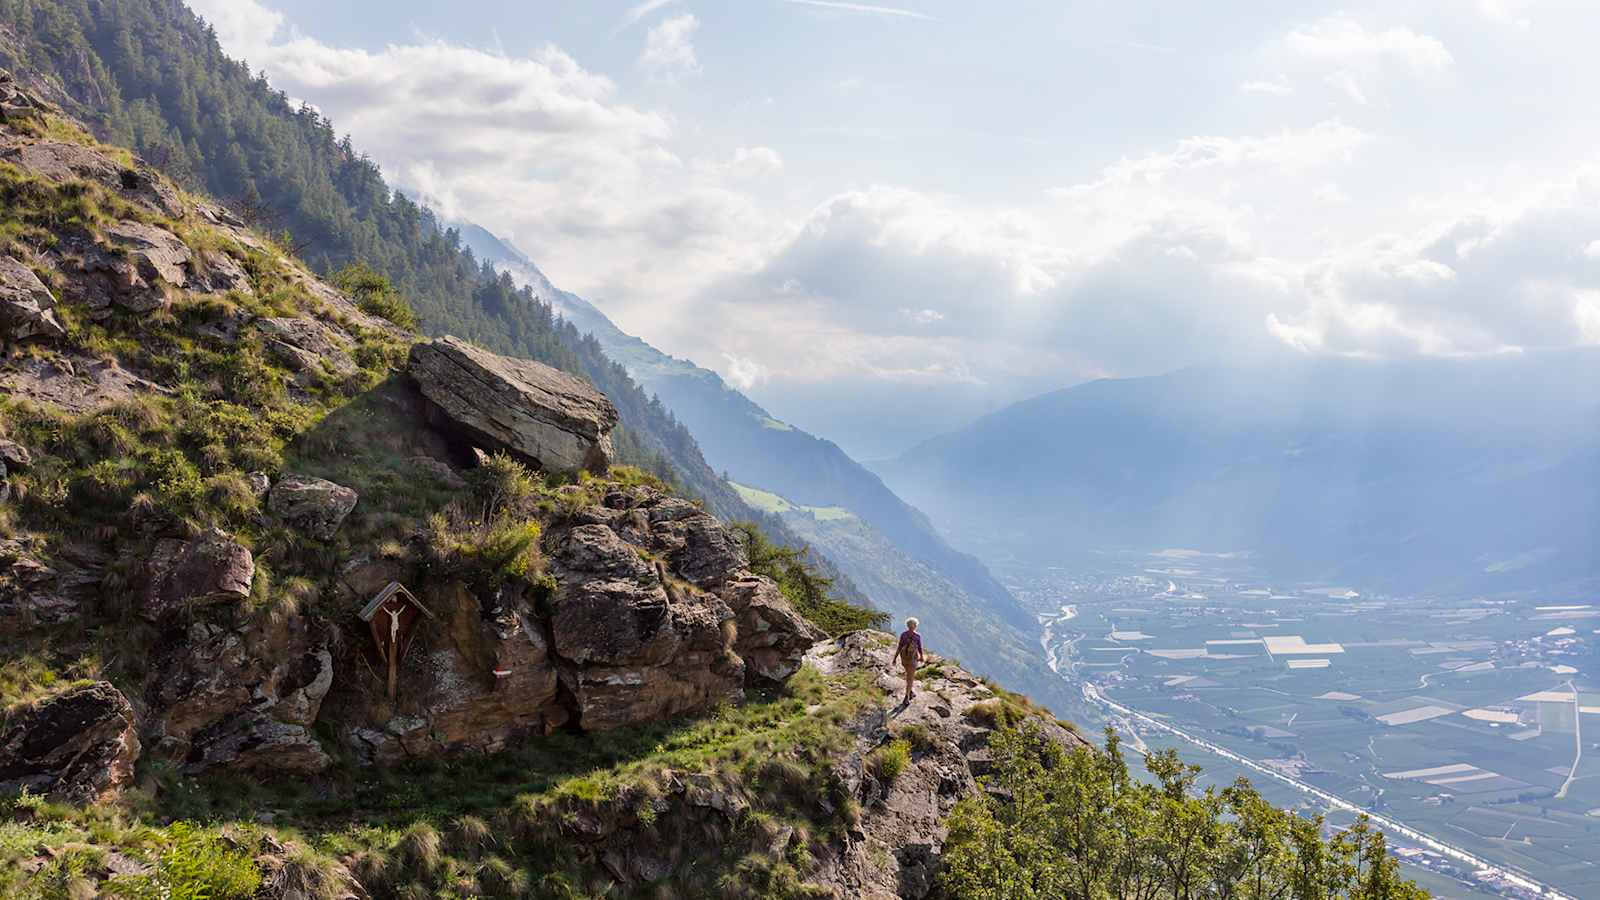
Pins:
x,y
1430,474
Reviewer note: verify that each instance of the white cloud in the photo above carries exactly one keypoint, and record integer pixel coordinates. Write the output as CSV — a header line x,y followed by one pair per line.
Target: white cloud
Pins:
x,y
669,48
1354,59
240,24
1507,12
1341,40
743,373
1277,87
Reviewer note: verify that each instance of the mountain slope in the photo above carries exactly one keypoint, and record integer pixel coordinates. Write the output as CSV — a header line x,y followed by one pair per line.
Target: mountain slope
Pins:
x,y
1445,473
150,74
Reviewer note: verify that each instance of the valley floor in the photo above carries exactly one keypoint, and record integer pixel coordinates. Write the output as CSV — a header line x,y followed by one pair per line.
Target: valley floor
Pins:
x,y
1453,716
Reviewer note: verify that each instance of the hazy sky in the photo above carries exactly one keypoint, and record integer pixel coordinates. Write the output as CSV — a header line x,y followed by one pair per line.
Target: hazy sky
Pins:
x,y
879,219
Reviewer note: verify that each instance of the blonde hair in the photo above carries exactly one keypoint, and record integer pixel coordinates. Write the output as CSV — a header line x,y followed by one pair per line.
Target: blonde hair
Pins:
x,y
911,623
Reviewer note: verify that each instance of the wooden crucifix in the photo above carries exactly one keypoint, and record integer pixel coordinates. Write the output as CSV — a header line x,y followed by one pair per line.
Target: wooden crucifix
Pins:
x,y
391,617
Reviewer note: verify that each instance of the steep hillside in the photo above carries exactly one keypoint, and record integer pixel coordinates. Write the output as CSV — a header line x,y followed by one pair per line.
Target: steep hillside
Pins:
x,y
148,74
1449,474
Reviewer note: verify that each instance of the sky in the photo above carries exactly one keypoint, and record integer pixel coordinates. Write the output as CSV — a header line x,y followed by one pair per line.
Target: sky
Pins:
x,y
881,220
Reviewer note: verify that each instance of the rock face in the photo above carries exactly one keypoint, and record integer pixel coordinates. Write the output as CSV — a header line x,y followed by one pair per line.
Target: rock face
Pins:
x,y
75,383
532,411
35,595
27,310
479,675
79,745
211,567
772,637
315,504
239,694
624,637
634,653
15,104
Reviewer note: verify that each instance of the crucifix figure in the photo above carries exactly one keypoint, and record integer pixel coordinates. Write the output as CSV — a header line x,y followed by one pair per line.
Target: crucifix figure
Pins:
x,y
394,647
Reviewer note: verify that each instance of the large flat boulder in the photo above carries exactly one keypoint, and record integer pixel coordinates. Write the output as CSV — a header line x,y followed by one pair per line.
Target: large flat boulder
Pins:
x,y
79,745
543,415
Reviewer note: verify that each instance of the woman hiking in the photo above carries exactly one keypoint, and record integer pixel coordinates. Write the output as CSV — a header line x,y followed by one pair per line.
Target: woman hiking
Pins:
x,y
909,654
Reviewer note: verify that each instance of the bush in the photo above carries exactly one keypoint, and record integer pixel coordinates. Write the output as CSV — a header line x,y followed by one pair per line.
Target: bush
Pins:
x,y
890,760
375,295
811,594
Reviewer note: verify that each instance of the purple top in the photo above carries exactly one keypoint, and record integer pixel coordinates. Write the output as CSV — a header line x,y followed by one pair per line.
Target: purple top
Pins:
x,y
910,646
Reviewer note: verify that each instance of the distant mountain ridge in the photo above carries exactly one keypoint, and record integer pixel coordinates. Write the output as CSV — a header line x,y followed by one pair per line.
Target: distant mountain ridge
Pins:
x,y
1439,474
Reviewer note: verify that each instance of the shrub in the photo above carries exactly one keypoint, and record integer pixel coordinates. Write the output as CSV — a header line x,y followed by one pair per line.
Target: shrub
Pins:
x,y
890,760
375,295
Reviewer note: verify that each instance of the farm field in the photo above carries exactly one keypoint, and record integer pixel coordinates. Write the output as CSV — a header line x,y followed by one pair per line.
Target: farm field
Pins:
x,y
1460,717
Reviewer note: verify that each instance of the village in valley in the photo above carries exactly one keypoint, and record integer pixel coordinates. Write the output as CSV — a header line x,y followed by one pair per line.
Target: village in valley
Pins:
x,y
1468,720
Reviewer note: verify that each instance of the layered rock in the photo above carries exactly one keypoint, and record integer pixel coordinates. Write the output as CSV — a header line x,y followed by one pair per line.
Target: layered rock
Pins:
x,y
72,382
27,309
309,347
633,652
241,694
79,745
34,594
542,415
314,504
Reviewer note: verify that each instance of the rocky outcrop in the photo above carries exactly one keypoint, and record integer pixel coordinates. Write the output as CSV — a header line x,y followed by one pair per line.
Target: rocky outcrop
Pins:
x,y
894,851
632,652
71,382
79,745
34,594
539,414
27,310
309,347
314,504
240,694
16,105
772,638
211,567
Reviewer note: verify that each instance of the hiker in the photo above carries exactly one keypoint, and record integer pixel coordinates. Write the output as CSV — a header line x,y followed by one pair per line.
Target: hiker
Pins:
x,y
909,654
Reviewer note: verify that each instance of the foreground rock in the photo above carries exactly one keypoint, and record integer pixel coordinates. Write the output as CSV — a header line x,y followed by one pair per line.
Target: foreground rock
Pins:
x,y
542,415
634,653
79,745
772,637
240,693
315,504
27,310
